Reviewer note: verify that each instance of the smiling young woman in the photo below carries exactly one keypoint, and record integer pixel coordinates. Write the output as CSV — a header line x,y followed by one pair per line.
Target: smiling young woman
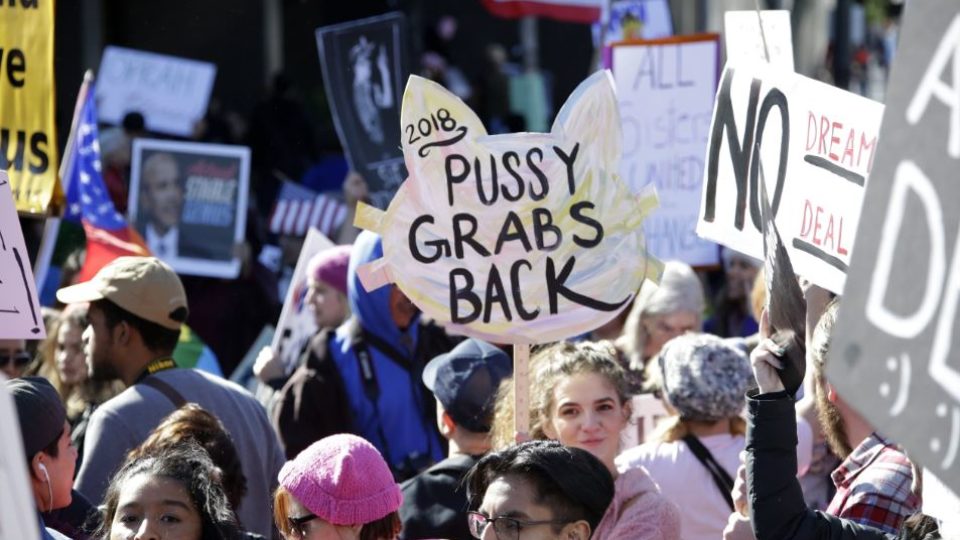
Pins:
x,y
579,397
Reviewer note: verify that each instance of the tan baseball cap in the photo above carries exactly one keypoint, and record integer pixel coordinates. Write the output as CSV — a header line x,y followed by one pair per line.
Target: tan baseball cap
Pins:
x,y
144,286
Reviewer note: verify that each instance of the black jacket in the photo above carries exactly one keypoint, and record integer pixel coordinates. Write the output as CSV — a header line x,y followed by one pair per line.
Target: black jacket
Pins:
x,y
777,509
435,501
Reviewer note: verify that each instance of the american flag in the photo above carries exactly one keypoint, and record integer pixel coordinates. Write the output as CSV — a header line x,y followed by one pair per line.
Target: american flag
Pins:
x,y
299,208
108,234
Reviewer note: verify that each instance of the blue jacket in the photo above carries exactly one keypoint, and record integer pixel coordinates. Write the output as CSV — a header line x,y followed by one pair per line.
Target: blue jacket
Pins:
x,y
396,412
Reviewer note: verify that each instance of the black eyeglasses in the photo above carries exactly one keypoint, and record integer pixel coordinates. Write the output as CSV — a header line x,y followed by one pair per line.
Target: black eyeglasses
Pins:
x,y
506,528
19,359
298,525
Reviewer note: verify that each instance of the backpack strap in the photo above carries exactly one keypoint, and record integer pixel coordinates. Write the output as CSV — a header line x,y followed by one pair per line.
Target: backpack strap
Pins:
x,y
720,476
161,386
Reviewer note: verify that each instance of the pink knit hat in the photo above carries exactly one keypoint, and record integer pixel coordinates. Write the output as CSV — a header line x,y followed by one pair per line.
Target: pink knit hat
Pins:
x,y
343,480
330,267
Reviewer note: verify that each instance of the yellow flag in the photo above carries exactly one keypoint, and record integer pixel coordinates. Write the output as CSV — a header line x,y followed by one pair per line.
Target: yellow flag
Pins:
x,y
28,138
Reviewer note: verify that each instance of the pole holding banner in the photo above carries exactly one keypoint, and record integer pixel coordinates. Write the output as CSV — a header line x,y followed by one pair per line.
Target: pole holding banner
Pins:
x,y
521,391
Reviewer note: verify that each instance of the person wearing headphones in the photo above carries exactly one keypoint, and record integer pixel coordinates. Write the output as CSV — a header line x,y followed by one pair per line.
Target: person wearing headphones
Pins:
x,y
51,457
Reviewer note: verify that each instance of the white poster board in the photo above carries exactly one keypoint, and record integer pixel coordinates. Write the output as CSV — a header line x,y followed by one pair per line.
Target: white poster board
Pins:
x,y
170,92
18,515
745,43
19,305
296,324
666,89
817,145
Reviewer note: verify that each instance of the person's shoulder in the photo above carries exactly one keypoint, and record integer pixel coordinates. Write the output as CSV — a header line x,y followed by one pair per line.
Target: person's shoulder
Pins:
x,y
645,454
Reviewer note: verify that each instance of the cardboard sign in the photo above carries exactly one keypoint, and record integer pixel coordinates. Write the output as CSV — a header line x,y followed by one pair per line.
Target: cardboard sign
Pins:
x,y
745,42
517,238
18,515
817,144
896,350
28,136
171,93
189,203
364,65
666,90
296,324
19,305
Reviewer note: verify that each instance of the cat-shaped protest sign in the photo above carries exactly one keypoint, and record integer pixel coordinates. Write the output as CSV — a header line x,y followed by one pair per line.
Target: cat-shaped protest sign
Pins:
x,y
516,238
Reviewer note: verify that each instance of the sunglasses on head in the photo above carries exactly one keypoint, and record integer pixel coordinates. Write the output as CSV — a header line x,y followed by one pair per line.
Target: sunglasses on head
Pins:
x,y
19,359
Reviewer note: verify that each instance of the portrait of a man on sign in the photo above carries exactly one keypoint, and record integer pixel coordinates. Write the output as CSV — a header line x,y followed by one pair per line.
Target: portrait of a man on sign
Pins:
x,y
188,202
522,237
161,202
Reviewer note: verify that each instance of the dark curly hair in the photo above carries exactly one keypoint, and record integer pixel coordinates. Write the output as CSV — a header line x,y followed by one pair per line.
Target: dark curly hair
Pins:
x,y
189,465
193,422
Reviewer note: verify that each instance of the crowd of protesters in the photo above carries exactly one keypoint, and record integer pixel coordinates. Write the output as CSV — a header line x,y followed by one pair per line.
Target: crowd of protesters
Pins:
x,y
390,427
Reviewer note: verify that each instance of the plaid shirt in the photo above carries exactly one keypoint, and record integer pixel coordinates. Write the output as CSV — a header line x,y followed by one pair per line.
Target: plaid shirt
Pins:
x,y
874,486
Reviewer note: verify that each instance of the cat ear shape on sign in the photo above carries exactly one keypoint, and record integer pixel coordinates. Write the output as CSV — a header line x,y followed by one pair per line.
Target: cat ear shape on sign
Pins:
x,y
591,113
433,119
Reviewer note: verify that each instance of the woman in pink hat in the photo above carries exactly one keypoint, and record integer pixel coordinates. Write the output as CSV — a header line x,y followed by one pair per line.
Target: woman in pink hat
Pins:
x,y
339,488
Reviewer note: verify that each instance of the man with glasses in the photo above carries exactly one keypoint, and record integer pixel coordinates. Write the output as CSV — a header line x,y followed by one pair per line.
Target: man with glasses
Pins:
x,y
538,490
13,357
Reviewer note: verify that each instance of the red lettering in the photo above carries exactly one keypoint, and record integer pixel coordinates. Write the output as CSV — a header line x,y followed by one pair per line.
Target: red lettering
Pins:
x,y
824,128
807,223
848,149
840,249
834,139
816,226
866,146
828,236
811,130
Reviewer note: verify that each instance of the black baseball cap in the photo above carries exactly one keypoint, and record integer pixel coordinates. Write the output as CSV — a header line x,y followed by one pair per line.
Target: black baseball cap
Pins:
x,y
465,381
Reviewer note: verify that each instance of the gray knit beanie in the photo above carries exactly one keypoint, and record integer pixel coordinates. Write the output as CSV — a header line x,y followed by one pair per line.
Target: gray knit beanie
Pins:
x,y
704,377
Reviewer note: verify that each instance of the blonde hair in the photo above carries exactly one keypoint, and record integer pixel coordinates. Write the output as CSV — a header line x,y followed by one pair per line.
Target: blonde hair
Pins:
x,y
77,396
548,367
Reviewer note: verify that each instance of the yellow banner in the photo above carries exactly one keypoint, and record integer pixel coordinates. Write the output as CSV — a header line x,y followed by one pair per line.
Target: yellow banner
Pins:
x,y
28,137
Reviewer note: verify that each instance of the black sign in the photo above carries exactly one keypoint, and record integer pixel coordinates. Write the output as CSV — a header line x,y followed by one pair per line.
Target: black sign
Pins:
x,y
896,350
365,63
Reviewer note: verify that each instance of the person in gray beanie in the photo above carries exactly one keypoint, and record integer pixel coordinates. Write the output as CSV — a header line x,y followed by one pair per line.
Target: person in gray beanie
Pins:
x,y
703,380
51,457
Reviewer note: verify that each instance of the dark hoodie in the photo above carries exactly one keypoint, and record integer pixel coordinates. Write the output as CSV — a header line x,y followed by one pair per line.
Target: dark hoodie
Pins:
x,y
398,416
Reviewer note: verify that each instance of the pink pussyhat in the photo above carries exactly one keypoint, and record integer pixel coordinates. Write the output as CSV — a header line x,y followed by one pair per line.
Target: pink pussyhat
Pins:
x,y
343,480
330,266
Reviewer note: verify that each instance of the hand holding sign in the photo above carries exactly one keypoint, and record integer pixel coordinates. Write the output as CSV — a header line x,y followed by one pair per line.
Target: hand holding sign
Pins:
x,y
520,238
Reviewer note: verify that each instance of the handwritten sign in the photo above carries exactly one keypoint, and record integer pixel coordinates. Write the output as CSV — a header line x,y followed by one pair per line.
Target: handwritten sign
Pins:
x,y
17,513
895,348
745,42
171,93
189,202
817,144
520,238
28,136
666,90
19,304
297,324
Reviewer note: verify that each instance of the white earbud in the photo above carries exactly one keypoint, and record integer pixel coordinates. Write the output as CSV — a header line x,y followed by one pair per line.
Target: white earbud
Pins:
x,y
46,476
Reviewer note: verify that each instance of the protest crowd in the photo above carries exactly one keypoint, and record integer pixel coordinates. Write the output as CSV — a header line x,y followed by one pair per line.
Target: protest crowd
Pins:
x,y
456,329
